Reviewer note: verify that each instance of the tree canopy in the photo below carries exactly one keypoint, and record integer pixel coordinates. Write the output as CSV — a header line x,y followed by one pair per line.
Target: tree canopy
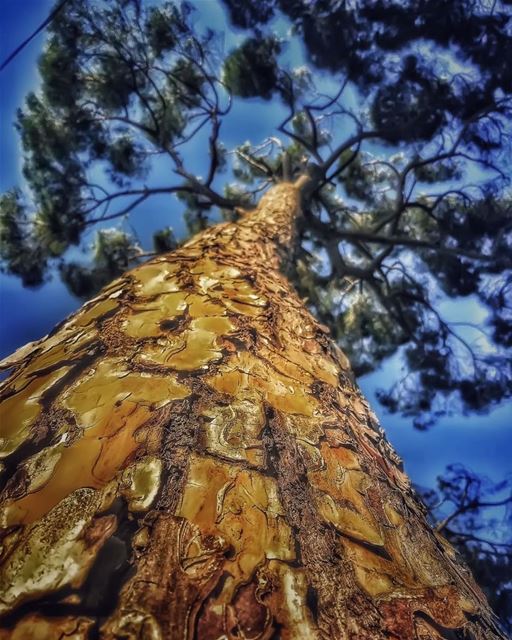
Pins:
x,y
402,109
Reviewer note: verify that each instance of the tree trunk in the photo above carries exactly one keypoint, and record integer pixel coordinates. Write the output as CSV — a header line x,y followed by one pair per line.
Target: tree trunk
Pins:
x,y
187,456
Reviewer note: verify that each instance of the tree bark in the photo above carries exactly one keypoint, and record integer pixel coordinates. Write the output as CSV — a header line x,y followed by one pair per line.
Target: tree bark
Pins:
x,y
188,456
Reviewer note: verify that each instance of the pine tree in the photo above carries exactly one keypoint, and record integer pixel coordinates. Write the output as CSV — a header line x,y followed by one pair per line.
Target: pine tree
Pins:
x,y
188,455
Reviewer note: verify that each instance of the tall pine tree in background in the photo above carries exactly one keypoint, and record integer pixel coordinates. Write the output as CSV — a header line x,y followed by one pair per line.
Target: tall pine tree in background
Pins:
x,y
187,455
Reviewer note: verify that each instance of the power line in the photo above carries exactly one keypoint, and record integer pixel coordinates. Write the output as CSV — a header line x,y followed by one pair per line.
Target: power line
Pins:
x,y
40,28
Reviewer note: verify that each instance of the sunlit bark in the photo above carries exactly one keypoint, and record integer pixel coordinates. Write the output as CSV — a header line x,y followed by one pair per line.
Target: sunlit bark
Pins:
x,y
188,457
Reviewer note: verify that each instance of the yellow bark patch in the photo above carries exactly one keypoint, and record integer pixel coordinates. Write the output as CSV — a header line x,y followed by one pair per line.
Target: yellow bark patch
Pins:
x,y
201,306
226,284
91,462
349,521
241,507
18,412
342,478
51,356
110,404
165,349
140,483
155,278
295,618
56,551
98,398
392,515
306,428
135,624
144,321
215,269
93,312
288,367
192,349
374,571
374,583
39,467
234,431
375,574
245,371
35,627
314,362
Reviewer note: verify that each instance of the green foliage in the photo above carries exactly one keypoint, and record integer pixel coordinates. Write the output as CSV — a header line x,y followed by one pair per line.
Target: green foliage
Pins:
x,y
60,74
124,156
185,73
356,179
301,125
368,333
499,299
234,191
335,37
113,252
471,222
249,14
170,118
164,240
114,82
252,70
438,172
403,111
18,254
195,214
161,29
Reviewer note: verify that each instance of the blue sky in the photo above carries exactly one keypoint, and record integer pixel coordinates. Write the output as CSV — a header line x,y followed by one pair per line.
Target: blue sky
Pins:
x,y
484,443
